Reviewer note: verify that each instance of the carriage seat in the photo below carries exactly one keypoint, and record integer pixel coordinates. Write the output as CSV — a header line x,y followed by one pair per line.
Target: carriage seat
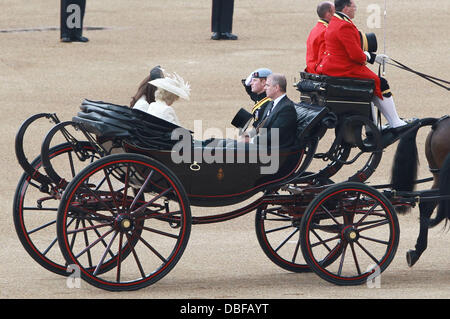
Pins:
x,y
312,121
342,95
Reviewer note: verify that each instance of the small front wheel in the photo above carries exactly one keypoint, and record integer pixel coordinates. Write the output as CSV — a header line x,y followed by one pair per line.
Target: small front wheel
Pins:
x,y
355,223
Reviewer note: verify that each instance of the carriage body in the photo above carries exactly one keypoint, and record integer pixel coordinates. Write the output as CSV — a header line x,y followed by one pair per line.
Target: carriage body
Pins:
x,y
213,172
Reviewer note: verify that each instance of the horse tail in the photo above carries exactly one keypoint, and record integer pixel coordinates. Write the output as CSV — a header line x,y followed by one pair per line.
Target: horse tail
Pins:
x,y
443,211
406,161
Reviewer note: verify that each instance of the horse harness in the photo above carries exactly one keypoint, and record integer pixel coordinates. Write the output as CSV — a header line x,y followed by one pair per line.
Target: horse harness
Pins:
x,y
433,128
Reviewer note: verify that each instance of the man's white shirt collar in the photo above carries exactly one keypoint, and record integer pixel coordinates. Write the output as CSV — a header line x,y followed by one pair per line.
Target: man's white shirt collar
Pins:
x,y
275,102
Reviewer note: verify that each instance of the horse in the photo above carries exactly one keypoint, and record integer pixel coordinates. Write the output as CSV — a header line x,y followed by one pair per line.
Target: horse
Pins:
x,y
404,174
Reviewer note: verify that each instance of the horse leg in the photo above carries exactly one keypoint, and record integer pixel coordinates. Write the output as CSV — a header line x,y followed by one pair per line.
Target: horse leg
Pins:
x,y
426,209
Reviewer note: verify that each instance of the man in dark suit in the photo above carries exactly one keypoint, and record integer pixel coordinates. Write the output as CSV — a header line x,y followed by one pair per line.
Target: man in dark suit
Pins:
x,y
72,14
279,115
222,20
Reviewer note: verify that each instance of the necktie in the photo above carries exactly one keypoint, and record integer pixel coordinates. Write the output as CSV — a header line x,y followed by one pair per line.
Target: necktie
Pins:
x,y
267,113
270,108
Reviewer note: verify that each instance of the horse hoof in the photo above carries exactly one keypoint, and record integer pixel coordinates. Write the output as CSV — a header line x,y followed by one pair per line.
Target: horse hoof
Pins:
x,y
412,257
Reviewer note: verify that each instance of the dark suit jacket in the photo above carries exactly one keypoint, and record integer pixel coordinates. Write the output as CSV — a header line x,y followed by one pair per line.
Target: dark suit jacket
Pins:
x,y
283,118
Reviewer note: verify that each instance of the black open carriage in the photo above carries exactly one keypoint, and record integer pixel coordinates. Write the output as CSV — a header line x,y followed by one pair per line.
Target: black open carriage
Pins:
x,y
123,211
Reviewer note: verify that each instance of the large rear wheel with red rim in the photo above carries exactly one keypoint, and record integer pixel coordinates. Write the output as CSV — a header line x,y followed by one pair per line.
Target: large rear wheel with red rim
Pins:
x,y
135,218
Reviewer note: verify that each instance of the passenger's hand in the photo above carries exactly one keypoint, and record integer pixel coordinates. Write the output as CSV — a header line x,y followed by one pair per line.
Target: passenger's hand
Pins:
x,y
381,58
244,138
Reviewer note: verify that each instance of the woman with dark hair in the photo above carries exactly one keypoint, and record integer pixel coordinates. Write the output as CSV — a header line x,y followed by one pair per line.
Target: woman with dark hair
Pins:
x,y
146,91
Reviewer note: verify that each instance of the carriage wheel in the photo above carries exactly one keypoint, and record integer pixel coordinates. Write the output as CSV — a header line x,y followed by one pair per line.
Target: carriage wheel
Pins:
x,y
278,232
153,225
34,212
279,237
358,222
63,132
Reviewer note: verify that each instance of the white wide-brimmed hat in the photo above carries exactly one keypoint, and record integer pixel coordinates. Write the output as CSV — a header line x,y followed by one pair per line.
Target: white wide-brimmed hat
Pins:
x,y
174,84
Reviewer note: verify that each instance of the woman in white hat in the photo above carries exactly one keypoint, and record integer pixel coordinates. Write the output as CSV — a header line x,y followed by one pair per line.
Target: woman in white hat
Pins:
x,y
169,89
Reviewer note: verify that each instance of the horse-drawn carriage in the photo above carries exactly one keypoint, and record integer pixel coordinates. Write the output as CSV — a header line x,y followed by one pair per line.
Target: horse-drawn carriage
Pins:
x,y
117,202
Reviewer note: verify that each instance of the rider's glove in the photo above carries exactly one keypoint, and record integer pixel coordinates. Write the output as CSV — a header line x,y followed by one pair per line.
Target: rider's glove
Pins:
x,y
381,58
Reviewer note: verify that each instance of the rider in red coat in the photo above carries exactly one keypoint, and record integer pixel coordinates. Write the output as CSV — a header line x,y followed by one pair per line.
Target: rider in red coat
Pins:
x,y
345,58
315,45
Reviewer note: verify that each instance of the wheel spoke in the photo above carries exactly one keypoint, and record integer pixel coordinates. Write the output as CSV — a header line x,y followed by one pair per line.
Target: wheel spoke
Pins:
x,y
94,243
375,240
141,190
164,260
104,253
41,227
89,228
376,224
77,224
136,258
341,262
286,240
125,190
160,232
370,211
141,209
277,229
367,252
108,180
329,214
297,246
330,254
50,246
323,242
99,235
86,242
119,258
84,214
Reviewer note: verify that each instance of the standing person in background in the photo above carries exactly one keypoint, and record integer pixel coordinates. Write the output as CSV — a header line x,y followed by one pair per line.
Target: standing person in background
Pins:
x,y
71,24
222,20
315,45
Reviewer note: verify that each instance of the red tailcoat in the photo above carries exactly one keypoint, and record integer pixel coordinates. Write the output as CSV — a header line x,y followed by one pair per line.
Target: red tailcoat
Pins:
x,y
344,56
315,46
